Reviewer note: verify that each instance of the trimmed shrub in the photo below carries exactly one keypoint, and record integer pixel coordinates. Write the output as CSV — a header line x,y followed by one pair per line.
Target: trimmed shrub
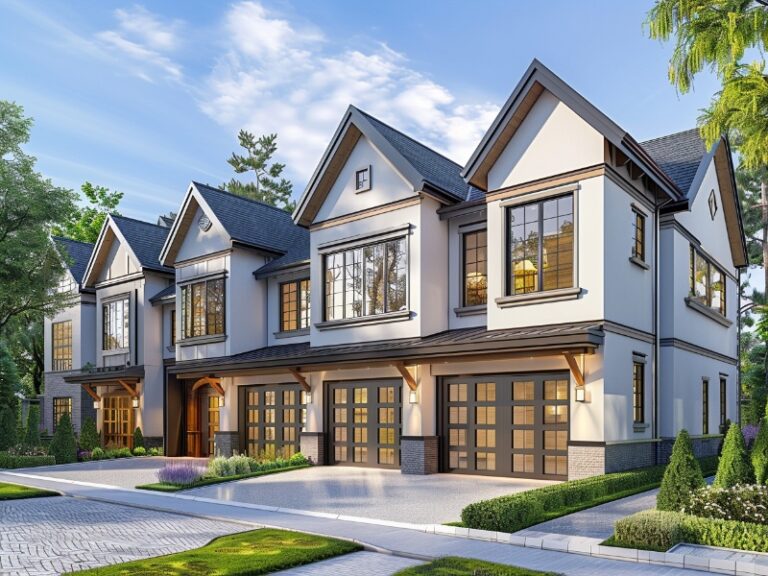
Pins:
x,y
8,427
63,446
119,453
140,451
221,467
97,453
32,433
241,464
746,503
650,530
89,435
298,459
138,438
155,452
682,476
735,466
759,455
23,461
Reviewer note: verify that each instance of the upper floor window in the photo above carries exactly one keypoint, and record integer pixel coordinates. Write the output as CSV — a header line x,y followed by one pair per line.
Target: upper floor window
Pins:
x,y
173,327
65,285
705,406
363,179
706,282
367,280
723,399
62,345
202,308
475,267
638,247
540,245
116,320
294,305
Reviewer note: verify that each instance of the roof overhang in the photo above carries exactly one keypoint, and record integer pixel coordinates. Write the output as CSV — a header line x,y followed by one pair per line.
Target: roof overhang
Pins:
x,y
107,376
292,267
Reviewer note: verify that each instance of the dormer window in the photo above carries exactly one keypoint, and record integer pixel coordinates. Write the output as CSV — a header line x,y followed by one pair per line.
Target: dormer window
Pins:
x,y
363,179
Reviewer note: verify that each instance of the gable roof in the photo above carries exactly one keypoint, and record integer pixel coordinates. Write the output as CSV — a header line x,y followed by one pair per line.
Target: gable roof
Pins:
x,y
534,82
167,294
679,155
145,240
296,256
424,169
76,255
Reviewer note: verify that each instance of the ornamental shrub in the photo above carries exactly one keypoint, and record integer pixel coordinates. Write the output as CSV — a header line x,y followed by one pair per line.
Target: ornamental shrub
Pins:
x,y
759,454
140,451
90,438
221,467
154,452
97,453
63,446
138,438
8,427
180,473
735,466
682,476
32,433
241,464
650,530
298,459
745,503
23,461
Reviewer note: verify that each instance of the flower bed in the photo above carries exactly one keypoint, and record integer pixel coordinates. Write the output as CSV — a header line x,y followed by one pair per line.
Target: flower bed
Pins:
x,y
743,502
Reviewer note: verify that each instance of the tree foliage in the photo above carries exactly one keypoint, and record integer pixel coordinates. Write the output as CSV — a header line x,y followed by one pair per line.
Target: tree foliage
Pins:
x,y
32,431
63,444
85,222
681,477
30,267
735,465
24,337
269,185
89,435
138,438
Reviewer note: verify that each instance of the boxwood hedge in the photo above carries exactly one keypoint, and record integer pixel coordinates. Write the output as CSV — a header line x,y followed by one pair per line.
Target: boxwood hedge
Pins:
x,y
518,511
13,461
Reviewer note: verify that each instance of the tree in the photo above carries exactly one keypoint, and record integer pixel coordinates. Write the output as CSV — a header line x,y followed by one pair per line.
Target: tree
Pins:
x,y
84,224
89,435
24,337
32,436
269,187
138,438
30,267
735,466
682,476
759,455
63,444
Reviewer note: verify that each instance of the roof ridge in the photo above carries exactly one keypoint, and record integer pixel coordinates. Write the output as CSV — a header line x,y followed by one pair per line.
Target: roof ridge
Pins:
x,y
120,216
411,138
669,135
55,237
238,196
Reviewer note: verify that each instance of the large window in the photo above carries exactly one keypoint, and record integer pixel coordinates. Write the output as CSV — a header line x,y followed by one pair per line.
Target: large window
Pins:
x,y
366,281
638,247
540,247
294,305
475,267
638,392
202,308
707,282
61,406
62,345
705,406
116,318
723,399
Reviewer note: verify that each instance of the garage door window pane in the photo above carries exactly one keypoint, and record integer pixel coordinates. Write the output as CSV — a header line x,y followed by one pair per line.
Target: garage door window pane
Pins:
x,y
486,392
457,415
522,439
361,435
361,395
555,390
361,415
386,395
361,454
340,415
485,415
522,415
386,455
386,435
555,440
340,396
555,414
556,465
340,434
457,393
457,437
522,463
485,438
269,397
522,391
485,461
458,460
340,454
386,415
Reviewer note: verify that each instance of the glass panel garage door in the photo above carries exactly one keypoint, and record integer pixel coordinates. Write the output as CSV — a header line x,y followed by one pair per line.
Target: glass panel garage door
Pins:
x,y
506,425
364,419
273,417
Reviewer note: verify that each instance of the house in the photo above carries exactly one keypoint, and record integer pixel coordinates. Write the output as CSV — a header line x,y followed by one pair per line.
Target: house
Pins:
x,y
559,307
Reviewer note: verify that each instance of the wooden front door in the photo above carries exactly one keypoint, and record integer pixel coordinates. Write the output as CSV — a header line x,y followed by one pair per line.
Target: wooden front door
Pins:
x,y
209,413
118,422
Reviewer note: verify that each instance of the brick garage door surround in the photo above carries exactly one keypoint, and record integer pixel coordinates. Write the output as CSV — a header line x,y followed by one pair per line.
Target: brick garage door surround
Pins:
x,y
312,445
419,454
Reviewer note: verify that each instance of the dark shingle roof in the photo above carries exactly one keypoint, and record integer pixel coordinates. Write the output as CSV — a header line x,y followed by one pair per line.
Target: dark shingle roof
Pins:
x,y
167,293
297,253
678,155
77,253
252,222
145,239
436,169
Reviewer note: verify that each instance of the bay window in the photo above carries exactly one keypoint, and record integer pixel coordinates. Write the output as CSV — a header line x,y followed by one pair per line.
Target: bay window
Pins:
x,y
116,321
202,308
706,282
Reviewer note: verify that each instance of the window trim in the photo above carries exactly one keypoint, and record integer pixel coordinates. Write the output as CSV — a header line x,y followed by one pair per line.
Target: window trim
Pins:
x,y
639,259
124,297
464,308
705,406
54,347
204,338
173,327
367,186
298,313
638,394
692,300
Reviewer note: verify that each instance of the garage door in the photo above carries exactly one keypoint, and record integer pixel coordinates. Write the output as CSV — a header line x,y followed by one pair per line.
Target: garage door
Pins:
x,y
271,419
506,425
364,418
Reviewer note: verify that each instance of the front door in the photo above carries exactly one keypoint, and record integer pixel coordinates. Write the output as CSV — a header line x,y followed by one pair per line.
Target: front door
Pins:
x,y
118,422
209,413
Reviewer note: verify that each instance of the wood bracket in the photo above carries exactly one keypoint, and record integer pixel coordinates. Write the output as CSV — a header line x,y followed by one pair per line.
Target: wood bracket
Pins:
x,y
131,389
578,375
407,376
211,381
91,392
301,379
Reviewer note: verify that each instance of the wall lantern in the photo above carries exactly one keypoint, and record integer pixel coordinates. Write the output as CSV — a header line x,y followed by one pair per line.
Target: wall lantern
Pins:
x,y
413,397
135,402
307,397
96,405
581,394
221,401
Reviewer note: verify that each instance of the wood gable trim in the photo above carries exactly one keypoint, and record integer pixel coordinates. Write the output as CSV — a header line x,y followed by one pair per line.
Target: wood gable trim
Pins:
x,y
731,205
109,233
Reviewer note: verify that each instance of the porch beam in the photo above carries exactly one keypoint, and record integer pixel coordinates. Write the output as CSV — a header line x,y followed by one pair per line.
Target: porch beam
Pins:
x,y
406,374
91,392
301,379
131,390
211,381
578,375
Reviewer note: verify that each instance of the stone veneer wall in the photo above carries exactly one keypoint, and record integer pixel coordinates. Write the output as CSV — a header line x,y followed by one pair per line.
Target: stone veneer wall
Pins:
x,y
55,387
226,443
585,461
312,445
419,454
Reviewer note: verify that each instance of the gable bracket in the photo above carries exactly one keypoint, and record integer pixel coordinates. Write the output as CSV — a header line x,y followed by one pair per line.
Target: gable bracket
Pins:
x,y
576,370
407,376
301,379
130,389
91,392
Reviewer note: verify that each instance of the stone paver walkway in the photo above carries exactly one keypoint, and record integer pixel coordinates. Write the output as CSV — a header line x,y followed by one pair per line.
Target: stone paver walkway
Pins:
x,y
401,541
357,564
42,536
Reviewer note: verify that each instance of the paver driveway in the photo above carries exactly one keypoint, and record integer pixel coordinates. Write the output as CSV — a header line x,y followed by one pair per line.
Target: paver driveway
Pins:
x,y
369,492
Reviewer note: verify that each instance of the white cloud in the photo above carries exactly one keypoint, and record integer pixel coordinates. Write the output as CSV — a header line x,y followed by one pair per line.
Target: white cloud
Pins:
x,y
282,76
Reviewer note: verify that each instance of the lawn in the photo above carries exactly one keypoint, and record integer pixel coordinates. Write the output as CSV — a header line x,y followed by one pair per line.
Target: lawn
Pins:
x,y
247,553
16,492
453,566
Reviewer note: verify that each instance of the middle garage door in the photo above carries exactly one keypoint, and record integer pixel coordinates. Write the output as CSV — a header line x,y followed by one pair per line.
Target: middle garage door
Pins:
x,y
364,417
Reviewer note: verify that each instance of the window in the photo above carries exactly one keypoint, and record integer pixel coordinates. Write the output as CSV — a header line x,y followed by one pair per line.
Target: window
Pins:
x,y
705,406
638,249
62,345
707,282
116,317
173,327
712,202
366,281
475,267
540,246
723,399
294,305
363,179
202,308
638,392
61,406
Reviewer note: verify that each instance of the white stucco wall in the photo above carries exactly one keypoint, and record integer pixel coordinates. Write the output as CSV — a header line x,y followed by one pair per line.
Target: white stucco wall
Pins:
x,y
197,242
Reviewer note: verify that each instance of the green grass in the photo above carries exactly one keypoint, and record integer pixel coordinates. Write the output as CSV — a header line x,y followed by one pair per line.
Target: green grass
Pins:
x,y
247,553
453,566
16,492
161,487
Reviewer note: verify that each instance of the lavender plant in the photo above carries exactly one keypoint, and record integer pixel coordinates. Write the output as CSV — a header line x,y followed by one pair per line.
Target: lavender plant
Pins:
x,y
180,473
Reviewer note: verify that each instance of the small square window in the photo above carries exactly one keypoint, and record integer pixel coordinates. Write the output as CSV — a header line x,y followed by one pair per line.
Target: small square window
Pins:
x,y
363,179
712,204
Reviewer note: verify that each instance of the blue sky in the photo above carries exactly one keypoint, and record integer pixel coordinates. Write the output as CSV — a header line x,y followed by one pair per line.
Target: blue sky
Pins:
x,y
144,98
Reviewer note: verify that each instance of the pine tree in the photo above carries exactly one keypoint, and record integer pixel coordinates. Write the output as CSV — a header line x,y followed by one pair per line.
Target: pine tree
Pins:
x,y
138,438
735,466
8,428
63,445
32,433
682,476
89,435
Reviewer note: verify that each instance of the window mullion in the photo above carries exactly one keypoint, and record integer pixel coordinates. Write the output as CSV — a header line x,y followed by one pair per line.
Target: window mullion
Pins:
x,y
540,271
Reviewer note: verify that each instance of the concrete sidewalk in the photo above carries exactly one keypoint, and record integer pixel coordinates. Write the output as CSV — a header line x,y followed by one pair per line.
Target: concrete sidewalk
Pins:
x,y
398,539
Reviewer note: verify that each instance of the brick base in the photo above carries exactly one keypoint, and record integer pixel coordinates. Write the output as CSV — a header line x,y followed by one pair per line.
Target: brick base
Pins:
x,y
702,447
153,442
629,455
418,454
312,445
585,461
226,443
55,387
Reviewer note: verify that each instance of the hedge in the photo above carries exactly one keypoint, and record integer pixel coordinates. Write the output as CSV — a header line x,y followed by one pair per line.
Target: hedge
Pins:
x,y
657,530
518,511
12,461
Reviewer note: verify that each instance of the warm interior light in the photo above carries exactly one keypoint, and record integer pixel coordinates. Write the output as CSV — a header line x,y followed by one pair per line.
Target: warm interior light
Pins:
x,y
135,402
580,394
307,397
95,404
412,397
221,401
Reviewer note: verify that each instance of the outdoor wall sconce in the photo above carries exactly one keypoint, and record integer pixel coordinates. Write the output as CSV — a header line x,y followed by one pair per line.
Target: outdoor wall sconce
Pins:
x,y
221,401
135,402
581,394
96,405
307,397
413,397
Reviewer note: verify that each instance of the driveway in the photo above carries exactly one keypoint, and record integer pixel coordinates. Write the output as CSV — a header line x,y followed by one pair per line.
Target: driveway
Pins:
x,y
369,492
